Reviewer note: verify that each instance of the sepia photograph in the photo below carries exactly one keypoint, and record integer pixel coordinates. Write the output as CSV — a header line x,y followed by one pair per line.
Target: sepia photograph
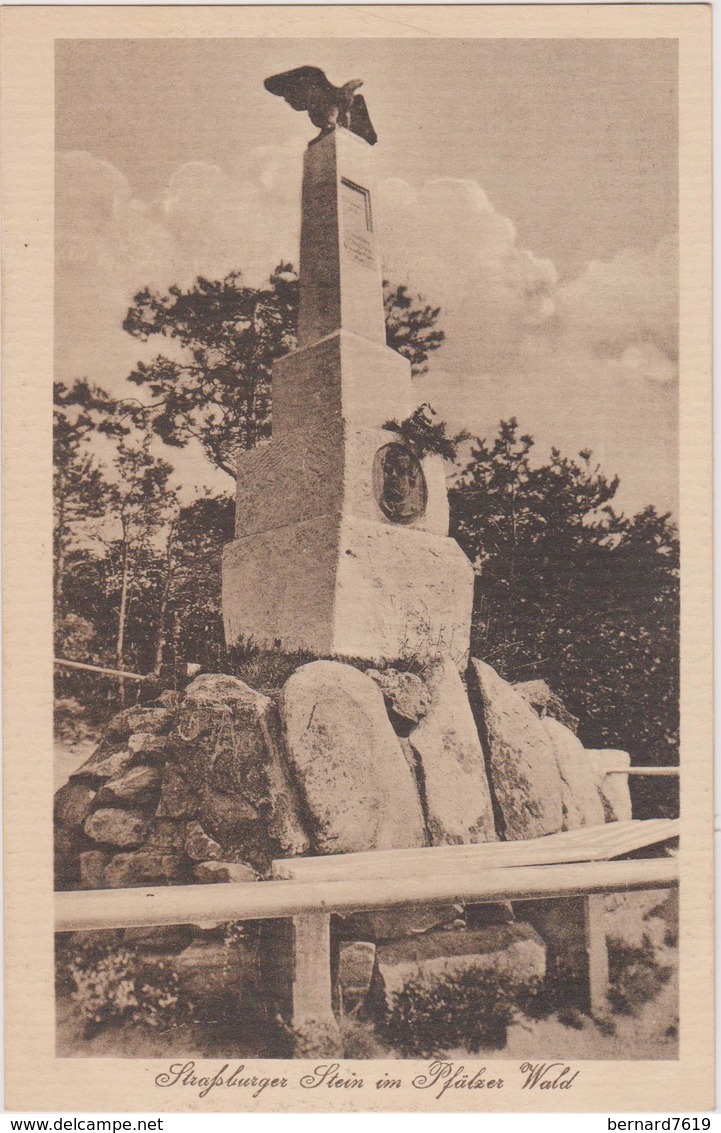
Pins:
x,y
366,553
365,430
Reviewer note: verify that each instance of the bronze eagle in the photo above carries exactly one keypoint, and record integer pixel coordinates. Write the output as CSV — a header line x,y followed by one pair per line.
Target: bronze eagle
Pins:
x,y
307,88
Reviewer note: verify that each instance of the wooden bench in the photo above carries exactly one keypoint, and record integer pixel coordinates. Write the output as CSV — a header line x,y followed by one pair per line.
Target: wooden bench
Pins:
x,y
309,890
488,865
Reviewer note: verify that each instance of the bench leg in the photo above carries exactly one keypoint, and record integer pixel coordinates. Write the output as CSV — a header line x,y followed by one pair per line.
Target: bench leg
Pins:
x,y
314,1023
597,952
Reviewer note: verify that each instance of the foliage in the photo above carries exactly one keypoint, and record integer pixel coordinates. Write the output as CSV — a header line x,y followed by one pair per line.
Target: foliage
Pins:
x,y
635,974
113,983
79,488
411,325
218,391
194,622
425,436
572,592
266,670
434,1014
71,722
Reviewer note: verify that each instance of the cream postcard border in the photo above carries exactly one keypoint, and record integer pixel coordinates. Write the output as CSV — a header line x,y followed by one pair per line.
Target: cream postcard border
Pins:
x,y
35,1078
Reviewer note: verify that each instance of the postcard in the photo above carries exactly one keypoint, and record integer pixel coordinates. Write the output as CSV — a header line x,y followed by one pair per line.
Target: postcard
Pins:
x,y
357,434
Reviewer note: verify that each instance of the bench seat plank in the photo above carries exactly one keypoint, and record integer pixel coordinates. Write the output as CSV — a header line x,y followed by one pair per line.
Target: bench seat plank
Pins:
x,y
589,844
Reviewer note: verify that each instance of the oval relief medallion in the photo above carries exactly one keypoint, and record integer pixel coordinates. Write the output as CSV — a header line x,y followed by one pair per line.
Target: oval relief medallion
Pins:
x,y
399,484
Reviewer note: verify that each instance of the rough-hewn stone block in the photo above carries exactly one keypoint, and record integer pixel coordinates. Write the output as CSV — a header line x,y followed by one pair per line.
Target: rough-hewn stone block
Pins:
x,y
453,770
116,827
582,804
358,791
522,758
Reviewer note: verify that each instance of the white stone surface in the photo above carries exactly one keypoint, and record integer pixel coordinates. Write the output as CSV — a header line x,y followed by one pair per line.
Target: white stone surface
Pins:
x,y
348,587
614,788
458,799
339,260
401,593
357,790
523,765
316,565
343,375
325,471
511,949
582,803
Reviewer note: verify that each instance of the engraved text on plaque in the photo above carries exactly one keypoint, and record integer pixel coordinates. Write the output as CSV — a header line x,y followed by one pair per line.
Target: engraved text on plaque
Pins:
x,y
357,223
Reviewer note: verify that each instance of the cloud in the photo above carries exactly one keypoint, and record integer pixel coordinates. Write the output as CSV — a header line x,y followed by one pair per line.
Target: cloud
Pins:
x,y
110,244
588,361
631,299
451,243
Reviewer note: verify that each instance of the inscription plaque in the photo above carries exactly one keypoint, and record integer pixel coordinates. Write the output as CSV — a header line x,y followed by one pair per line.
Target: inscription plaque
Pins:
x,y
399,484
357,223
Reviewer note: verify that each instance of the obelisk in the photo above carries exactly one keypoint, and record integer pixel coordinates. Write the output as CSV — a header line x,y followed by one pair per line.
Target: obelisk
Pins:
x,y
341,539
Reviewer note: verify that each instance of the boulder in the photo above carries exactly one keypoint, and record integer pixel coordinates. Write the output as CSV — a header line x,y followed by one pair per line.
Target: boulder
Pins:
x,y
130,720
200,846
513,949
524,771
225,740
137,787
542,698
395,924
177,797
357,790
452,769
67,845
167,836
582,804
146,867
411,759
72,804
103,764
169,698
217,688
116,827
614,789
92,865
405,695
151,748
212,872
229,819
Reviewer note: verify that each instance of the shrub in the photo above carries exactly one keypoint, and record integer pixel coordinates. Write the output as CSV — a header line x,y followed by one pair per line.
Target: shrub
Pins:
x,y
264,669
72,721
635,975
434,1014
112,983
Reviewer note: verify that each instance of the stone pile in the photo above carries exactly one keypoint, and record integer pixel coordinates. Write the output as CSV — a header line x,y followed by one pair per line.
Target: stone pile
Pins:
x,y
211,785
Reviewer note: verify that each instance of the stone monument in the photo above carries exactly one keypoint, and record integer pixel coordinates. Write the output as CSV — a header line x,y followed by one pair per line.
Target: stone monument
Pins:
x,y
341,539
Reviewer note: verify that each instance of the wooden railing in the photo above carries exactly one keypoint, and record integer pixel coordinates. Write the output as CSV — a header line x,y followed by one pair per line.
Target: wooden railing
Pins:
x,y
310,904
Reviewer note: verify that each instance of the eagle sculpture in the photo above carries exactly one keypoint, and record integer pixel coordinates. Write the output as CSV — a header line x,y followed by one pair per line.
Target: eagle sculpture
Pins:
x,y
307,88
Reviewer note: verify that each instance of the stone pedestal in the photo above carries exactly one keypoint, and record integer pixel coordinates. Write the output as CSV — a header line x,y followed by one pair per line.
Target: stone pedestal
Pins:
x,y
341,543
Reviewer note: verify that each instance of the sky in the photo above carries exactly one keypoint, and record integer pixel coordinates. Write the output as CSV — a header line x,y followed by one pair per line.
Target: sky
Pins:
x,y
527,187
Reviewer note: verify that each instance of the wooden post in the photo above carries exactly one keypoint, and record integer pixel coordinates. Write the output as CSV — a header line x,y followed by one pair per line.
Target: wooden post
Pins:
x,y
597,952
314,1024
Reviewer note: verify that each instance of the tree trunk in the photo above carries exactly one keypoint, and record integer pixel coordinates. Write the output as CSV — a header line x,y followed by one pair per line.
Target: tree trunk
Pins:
x,y
59,558
161,637
122,615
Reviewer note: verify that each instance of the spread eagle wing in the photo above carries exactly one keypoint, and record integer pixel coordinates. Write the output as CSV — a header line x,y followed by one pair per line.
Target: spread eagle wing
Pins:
x,y
360,122
302,88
